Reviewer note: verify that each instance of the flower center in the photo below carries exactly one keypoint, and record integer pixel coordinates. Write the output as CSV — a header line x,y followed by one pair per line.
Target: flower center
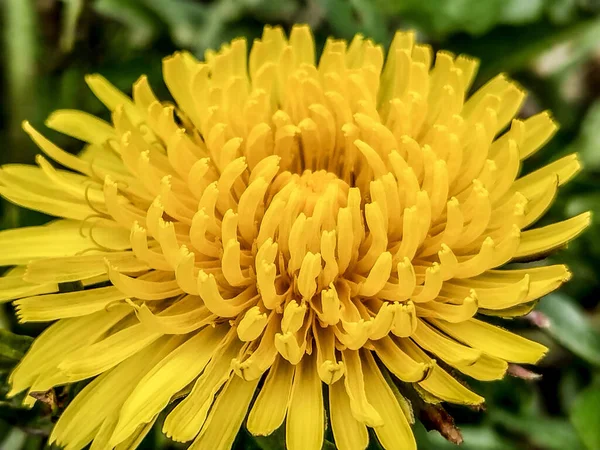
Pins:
x,y
320,188
308,222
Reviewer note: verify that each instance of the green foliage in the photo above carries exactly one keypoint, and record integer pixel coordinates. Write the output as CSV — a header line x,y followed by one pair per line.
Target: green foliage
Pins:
x,y
585,416
570,326
540,431
357,16
588,142
442,17
12,348
275,441
481,437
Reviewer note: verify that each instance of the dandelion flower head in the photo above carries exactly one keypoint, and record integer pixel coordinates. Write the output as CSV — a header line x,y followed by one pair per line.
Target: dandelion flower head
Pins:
x,y
290,239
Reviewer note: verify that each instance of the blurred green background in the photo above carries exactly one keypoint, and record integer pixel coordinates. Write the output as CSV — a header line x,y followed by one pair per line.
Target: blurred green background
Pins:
x,y
552,47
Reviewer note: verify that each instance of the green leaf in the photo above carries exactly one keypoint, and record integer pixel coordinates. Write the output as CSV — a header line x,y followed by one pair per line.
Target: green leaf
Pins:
x,y
328,445
340,17
275,441
348,18
371,19
511,49
520,12
196,25
585,417
484,438
36,420
544,432
476,17
562,11
142,25
577,204
570,327
269,11
588,141
15,440
571,383
184,19
356,16
14,412
12,348
373,441
480,437
440,17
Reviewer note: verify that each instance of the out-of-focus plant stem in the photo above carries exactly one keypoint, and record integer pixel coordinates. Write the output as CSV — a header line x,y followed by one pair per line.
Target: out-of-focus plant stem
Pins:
x,y
20,42
72,11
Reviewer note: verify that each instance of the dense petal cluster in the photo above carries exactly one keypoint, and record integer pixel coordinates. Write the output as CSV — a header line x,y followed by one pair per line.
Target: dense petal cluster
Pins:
x,y
282,226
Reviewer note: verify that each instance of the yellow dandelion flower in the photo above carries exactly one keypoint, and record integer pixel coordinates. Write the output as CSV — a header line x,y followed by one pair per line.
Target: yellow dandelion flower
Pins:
x,y
284,227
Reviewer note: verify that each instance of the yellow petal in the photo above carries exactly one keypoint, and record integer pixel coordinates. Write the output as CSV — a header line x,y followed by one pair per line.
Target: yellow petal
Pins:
x,y
541,240
564,168
107,353
303,45
112,97
494,340
450,312
486,368
187,418
151,286
399,363
133,441
57,239
270,407
226,415
174,372
543,280
45,308
13,285
104,433
57,342
177,75
330,369
348,433
74,268
395,433
187,315
57,153
48,202
97,405
107,162
539,129
354,383
515,311
490,295
439,382
305,424
541,201
447,349
261,358
81,125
